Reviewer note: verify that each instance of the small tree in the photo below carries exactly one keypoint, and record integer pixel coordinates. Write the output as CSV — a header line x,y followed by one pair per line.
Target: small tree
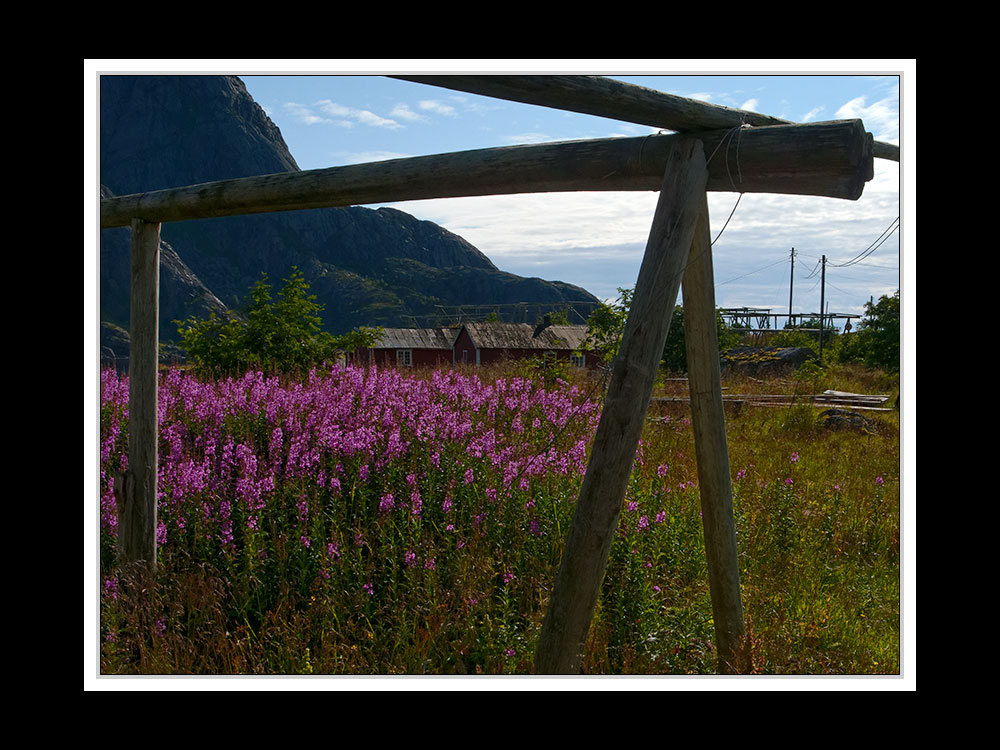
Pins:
x,y
607,323
283,335
876,342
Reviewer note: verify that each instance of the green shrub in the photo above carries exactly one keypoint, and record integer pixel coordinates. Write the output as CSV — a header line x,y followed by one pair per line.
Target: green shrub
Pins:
x,y
607,323
876,342
276,335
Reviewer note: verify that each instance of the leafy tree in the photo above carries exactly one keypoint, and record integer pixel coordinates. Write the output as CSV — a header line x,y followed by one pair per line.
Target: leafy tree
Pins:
x,y
283,335
876,341
607,323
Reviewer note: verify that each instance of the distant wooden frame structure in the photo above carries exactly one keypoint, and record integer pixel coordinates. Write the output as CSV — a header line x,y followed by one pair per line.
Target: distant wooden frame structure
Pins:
x,y
714,148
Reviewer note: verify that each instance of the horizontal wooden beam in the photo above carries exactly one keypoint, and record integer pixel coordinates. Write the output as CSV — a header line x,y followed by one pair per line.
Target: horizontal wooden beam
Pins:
x,y
832,159
603,97
616,100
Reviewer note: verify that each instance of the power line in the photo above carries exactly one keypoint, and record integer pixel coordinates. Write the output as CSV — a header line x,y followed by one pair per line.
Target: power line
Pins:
x,y
886,233
751,273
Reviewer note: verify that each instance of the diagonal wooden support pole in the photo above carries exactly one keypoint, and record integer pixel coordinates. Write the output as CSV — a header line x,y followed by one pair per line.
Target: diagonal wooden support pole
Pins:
x,y
135,490
711,450
574,596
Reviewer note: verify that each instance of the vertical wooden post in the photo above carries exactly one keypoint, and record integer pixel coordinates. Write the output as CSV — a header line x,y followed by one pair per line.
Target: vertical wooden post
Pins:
x,y
711,450
135,492
574,596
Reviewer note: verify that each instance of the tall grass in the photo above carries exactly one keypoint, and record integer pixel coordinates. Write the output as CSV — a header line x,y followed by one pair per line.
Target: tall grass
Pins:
x,y
371,522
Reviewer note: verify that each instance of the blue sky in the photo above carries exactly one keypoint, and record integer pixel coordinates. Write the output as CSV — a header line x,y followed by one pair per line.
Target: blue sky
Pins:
x,y
596,240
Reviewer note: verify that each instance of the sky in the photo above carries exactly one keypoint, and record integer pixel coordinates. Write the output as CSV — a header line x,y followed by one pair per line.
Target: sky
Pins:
x,y
596,240
338,112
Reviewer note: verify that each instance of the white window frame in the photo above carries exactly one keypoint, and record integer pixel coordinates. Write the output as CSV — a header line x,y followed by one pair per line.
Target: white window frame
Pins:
x,y
404,357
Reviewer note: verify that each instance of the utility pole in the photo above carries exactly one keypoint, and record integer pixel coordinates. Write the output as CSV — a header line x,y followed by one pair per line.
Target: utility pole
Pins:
x,y
822,297
791,281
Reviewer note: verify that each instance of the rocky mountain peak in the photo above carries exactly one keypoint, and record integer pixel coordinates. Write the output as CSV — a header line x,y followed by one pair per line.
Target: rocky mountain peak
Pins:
x,y
367,267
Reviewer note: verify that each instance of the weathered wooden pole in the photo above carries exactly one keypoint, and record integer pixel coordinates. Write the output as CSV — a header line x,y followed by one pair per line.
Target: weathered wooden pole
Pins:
x,y
135,490
711,450
578,583
831,159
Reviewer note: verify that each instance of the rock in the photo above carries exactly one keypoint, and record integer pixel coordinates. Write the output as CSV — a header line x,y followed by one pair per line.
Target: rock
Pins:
x,y
845,419
766,360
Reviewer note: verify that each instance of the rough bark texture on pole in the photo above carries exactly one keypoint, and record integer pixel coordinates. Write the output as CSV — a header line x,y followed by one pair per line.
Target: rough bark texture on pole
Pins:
x,y
135,491
574,596
712,452
832,159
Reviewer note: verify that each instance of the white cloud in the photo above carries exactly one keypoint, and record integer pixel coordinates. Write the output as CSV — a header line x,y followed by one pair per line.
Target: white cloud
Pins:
x,y
360,116
303,114
881,118
438,107
519,138
403,112
750,105
811,115
363,157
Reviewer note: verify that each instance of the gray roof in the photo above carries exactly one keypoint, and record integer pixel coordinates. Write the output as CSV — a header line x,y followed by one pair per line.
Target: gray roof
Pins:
x,y
526,336
416,338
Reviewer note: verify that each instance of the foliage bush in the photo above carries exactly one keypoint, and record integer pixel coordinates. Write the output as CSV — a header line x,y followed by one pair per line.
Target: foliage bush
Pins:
x,y
607,323
876,342
274,335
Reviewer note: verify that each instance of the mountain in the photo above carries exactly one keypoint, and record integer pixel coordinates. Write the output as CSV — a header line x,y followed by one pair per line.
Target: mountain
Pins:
x,y
366,266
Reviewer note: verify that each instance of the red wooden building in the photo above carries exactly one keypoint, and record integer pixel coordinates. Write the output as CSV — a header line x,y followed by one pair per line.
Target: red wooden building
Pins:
x,y
486,343
479,344
412,347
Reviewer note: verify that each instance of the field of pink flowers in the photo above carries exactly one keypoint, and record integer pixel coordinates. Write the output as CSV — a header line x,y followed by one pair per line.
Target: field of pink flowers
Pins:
x,y
374,493
374,522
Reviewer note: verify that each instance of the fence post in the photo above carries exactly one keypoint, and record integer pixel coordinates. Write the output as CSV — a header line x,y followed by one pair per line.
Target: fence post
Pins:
x,y
577,586
135,490
712,452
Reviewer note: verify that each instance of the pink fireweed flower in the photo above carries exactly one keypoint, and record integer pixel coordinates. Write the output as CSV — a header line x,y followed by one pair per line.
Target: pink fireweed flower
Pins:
x,y
111,587
795,457
387,503
410,558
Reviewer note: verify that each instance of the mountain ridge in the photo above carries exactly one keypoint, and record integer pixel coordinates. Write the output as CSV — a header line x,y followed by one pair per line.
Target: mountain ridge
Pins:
x,y
366,266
